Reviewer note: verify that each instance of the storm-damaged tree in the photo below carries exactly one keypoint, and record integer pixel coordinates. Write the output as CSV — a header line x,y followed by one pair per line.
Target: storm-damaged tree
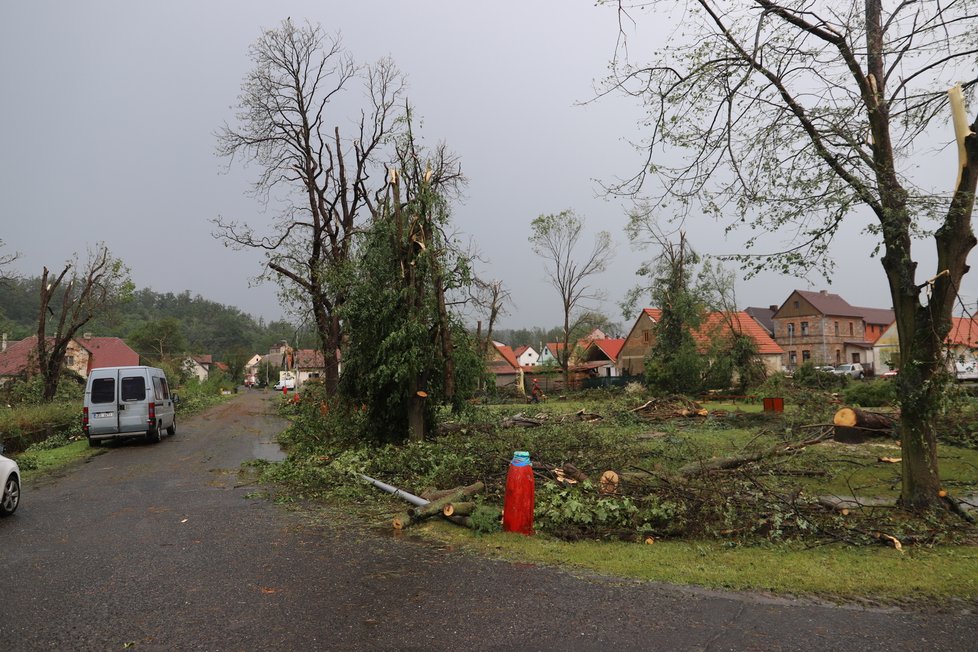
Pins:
x,y
792,117
68,301
555,238
286,126
407,350
673,364
491,299
5,261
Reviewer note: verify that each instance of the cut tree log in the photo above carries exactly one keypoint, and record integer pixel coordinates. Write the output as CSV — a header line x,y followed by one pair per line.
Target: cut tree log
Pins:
x,y
435,506
458,509
854,426
520,421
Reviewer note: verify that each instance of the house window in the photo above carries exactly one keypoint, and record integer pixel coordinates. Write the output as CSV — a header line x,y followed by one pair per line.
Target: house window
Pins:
x,y
838,356
792,358
855,357
836,329
646,336
797,304
806,356
804,328
69,361
791,329
850,328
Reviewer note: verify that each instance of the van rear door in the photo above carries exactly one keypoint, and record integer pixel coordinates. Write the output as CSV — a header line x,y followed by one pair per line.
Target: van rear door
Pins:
x,y
133,404
103,417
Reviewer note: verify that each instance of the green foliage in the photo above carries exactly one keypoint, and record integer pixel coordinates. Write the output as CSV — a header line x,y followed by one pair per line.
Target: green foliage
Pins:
x,y
486,519
808,376
396,320
876,393
158,339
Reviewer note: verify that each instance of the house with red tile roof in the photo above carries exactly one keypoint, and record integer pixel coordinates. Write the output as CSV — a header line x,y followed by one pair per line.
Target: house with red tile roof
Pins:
x,y
526,356
600,357
504,366
81,356
825,329
961,343
641,338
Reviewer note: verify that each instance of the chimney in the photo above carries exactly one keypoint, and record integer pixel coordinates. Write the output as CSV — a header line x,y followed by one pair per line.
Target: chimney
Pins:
x,y
87,336
823,292
3,344
772,308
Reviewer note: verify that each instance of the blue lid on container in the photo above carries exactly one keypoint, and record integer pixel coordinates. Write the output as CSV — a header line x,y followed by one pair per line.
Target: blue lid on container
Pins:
x,y
521,458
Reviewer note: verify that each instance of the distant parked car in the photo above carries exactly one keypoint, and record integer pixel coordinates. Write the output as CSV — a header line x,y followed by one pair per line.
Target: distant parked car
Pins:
x,y
10,477
826,369
851,369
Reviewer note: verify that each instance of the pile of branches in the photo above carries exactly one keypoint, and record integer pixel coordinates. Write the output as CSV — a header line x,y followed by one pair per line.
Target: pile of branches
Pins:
x,y
748,497
669,407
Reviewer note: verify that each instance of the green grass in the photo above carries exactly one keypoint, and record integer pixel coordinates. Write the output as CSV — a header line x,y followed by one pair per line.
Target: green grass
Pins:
x,y
836,572
41,462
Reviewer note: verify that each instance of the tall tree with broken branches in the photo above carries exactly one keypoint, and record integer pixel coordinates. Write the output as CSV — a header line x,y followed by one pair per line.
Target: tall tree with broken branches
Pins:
x,y
69,300
407,350
556,238
286,125
792,116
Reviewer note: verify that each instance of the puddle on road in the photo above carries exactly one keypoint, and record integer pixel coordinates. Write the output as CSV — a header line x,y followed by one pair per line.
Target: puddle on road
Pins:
x,y
268,451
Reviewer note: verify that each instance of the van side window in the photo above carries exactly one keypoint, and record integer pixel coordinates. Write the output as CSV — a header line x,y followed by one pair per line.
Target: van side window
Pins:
x,y
103,390
134,388
166,389
158,388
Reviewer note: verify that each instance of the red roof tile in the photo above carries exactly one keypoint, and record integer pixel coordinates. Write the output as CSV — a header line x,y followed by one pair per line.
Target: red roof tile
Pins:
x,y
507,355
611,347
15,359
108,352
964,332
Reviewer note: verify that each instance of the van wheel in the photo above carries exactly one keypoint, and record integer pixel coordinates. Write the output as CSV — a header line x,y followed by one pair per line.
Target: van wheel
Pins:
x,y
172,430
94,443
153,436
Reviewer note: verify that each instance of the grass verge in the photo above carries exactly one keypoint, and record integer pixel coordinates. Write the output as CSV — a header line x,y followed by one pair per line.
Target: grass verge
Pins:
x,y
840,573
37,463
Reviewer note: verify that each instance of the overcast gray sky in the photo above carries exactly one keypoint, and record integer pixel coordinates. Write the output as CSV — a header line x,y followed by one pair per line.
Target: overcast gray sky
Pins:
x,y
109,112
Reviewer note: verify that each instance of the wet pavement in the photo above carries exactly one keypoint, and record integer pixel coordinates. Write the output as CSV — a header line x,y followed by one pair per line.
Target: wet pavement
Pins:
x,y
170,546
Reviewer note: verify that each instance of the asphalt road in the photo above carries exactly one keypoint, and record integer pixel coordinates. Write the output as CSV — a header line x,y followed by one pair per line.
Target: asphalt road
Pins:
x,y
166,547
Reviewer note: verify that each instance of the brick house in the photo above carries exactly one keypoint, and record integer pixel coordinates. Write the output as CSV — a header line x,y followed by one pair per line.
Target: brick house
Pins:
x,y
81,356
824,329
631,358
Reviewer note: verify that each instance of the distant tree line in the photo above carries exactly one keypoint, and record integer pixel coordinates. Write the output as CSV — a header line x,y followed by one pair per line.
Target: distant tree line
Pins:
x,y
180,323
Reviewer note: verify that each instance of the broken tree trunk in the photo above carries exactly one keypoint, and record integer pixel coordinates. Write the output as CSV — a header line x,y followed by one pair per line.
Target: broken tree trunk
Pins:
x,y
721,463
855,426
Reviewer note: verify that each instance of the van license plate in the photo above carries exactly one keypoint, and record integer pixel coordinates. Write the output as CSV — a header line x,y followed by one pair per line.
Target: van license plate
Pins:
x,y
99,415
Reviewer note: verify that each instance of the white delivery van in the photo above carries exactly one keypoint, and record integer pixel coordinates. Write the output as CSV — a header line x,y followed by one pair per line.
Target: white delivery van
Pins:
x,y
128,402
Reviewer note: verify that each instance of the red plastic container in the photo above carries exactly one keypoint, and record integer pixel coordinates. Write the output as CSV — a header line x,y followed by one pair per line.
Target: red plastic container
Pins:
x,y
518,504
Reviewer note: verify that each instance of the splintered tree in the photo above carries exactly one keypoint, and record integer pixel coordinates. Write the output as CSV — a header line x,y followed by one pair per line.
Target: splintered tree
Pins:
x,y
71,302
407,351
555,238
792,116
286,126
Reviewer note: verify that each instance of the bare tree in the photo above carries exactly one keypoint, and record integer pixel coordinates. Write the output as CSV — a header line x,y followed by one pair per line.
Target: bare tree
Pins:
x,y
556,239
5,260
491,298
790,116
103,284
284,126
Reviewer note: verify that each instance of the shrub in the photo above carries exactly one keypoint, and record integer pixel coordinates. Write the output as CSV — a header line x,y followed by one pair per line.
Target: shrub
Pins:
x,y
876,393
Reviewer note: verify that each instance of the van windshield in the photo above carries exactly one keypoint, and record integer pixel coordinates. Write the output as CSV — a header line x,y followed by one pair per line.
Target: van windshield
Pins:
x,y
133,388
103,390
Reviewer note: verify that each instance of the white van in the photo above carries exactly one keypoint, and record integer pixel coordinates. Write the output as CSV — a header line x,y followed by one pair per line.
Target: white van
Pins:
x,y
126,402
